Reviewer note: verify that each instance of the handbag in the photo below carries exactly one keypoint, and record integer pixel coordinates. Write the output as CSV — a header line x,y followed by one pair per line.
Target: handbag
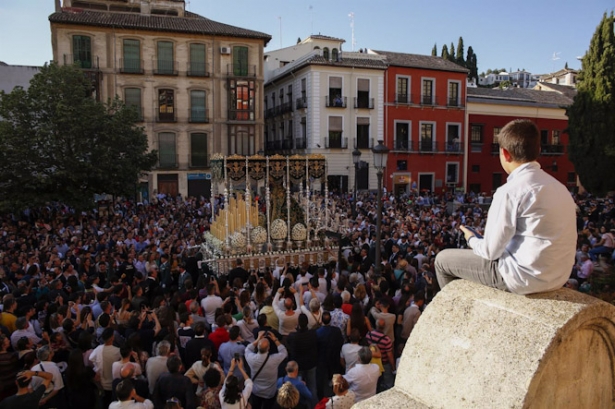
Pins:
x,y
323,403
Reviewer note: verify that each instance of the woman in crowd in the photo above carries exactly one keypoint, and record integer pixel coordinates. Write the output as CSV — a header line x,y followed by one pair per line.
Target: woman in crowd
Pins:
x,y
231,397
358,320
82,391
344,397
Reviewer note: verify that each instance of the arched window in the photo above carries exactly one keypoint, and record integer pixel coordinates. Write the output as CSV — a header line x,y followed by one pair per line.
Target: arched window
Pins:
x,y
325,53
335,55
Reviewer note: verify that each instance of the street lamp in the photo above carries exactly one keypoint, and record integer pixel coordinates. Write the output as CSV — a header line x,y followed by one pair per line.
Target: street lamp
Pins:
x,y
380,152
356,158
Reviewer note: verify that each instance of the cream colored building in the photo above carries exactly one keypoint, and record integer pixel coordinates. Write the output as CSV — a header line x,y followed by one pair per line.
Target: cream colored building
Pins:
x,y
319,99
197,84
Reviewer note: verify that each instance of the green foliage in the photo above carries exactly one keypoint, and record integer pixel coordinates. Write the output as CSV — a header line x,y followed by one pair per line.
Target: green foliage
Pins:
x,y
460,59
591,123
472,64
298,40
434,50
444,54
59,144
451,53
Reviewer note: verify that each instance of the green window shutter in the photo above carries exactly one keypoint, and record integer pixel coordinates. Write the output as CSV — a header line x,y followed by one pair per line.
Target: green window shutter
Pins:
x,y
166,149
82,51
240,61
132,98
132,56
197,106
165,57
198,150
197,59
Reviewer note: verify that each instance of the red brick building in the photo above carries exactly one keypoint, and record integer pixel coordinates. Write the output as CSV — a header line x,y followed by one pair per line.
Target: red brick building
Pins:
x,y
424,120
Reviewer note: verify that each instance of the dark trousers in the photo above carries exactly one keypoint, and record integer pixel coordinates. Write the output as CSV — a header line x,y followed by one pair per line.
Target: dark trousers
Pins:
x,y
261,403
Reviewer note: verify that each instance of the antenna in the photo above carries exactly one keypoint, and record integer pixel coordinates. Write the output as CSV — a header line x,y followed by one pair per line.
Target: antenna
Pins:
x,y
555,58
280,18
353,42
188,5
311,17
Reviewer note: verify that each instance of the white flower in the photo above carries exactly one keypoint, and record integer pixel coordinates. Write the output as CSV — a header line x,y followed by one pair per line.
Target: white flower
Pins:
x,y
299,232
278,229
238,240
259,235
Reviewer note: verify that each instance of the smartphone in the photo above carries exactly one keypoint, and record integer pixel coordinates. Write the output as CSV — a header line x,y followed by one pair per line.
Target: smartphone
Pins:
x,y
237,356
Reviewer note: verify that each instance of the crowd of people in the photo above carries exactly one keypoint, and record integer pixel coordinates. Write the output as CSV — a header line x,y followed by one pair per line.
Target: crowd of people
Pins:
x,y
117,309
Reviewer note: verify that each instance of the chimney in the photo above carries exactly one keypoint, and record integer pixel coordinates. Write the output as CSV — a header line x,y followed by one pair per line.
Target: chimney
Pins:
x,y
58,6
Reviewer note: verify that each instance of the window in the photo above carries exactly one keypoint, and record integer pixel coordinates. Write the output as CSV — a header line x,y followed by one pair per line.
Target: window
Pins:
x,y
132,98
453,94
402,95
303,88
198,61
402,131
289,93
452,173
165,64
427,137
335,56
363,100
335,132
301,141
242,100
132,57
476,133
240,61
544,137
556,138
241,140
427,92
452,138
402,165
198,150
335,92
475,168
82,51
496,134
167,154
325,53
166,105
289,134
198,111
363,141
496,181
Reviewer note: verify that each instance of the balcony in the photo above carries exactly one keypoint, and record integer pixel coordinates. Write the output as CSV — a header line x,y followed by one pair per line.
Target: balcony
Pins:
x,y
198,115
364,143
197,69
240,70
335,101
403,98
165,67
552,149
168,160
131,66
336,143
166,117
301,103
269,113
85,64
364,103
285,108
240,115
287,143
300,143
401,144
453,102
427,146
428,100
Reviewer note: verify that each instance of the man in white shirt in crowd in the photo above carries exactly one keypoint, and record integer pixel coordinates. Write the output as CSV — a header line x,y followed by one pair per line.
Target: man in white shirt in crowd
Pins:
x,y
530,236
103,357
128,398
54,397
288,317
211,303
363,377
349,355
264,369
157,365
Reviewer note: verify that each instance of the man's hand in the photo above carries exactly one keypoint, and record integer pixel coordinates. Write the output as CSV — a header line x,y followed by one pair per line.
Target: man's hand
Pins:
x,y
467,233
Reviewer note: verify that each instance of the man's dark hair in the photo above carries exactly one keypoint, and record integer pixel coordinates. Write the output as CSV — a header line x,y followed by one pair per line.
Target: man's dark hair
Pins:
x,y
124,389
521,138
234,332
199,328
211,378
107,334
104,320
21,323
303,321
326,318
337,301
314,282
125,351
261,320
419,296
183,317
174,364
355,336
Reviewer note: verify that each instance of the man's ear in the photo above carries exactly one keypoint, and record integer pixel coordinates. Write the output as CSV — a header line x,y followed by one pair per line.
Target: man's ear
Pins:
x,y
507,155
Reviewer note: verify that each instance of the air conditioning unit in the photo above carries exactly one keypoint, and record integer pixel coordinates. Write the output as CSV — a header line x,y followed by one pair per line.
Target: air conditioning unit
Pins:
x,y
225,50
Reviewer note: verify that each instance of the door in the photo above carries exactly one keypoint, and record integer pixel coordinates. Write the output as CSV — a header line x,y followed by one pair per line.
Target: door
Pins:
x,y
167,184
426,182
363,178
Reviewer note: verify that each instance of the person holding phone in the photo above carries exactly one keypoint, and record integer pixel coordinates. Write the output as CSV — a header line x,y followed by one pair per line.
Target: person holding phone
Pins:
x,y
231,397
529,243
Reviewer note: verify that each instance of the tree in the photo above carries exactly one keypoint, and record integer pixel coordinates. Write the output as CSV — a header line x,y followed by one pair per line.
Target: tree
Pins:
x,y
444,54
566,66
434,50
472,64
460,51
451,53
591,123
57,143
298,40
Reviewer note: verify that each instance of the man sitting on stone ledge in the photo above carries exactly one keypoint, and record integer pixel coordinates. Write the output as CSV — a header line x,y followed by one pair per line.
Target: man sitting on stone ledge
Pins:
x,y
530,235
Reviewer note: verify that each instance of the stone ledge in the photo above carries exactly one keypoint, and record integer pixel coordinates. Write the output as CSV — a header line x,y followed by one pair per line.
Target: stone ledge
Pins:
x,y
477,347
393,398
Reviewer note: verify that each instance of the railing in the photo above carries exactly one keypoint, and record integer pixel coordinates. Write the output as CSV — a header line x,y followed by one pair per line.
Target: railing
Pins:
x,y
335,102
286,107
166,117
165,67
427,146
551,149
453,102
91,64
198,160
168,160
301,103
198,115
364,143
300,143
240,70
131,66
367,103
428,100
403,98
269,113
197,69
240,115
337,143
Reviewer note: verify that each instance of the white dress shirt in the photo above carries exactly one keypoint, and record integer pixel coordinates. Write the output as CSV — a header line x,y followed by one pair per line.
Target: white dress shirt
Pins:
x,y
531,230
131,404
363,380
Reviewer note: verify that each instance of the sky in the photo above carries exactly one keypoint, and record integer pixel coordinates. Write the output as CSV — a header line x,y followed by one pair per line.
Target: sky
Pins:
x,y
537,35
